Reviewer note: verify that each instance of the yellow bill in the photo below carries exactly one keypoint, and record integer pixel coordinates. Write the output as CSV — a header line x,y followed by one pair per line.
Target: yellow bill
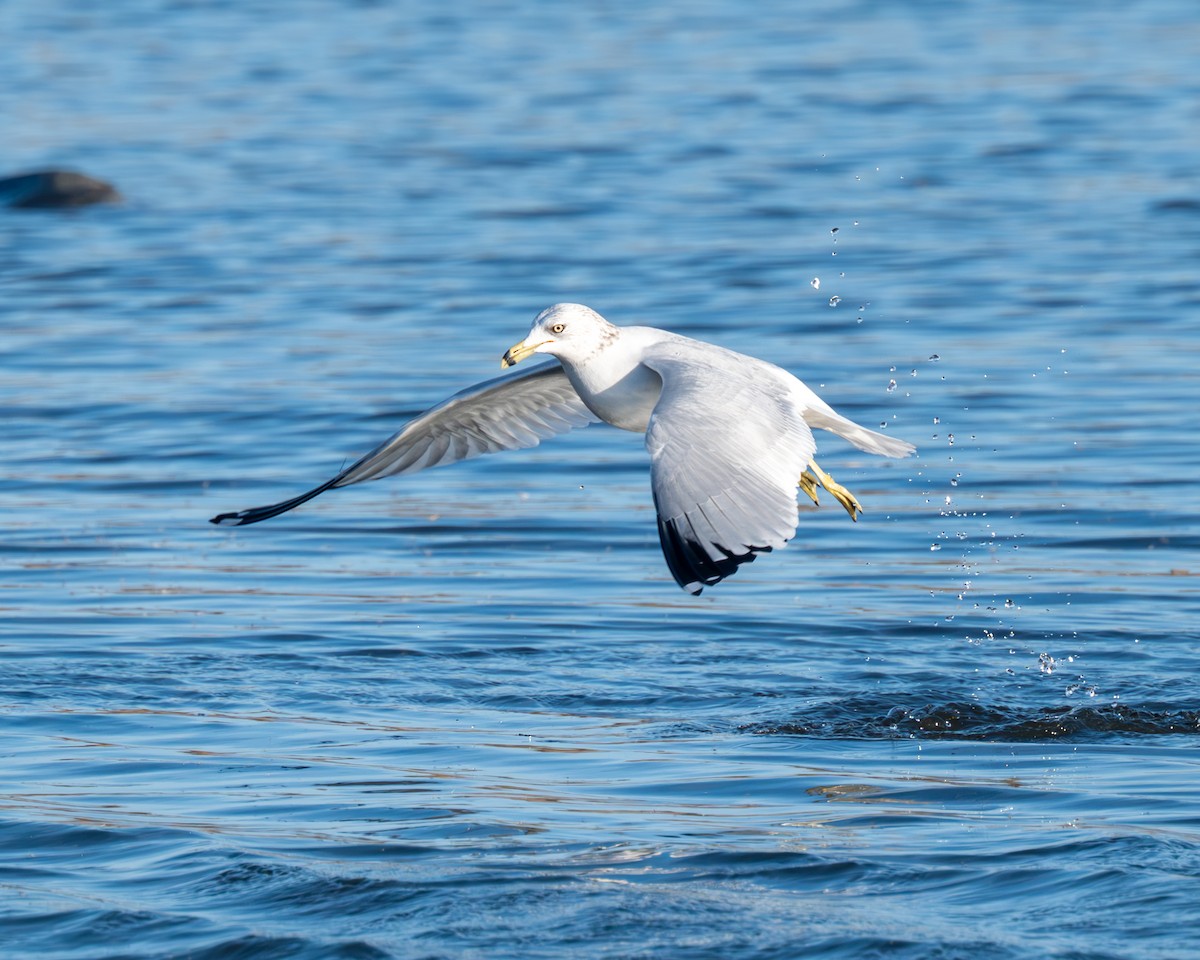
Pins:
x,y
518,352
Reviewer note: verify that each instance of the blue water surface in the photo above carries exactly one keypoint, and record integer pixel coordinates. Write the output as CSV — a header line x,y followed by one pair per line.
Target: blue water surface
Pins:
x,y
467,713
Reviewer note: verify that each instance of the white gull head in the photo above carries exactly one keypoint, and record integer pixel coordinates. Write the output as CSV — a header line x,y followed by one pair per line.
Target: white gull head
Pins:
x,y
569,331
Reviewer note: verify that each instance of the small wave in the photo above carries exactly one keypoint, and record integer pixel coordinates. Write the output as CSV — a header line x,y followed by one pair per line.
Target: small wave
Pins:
x,y
964,720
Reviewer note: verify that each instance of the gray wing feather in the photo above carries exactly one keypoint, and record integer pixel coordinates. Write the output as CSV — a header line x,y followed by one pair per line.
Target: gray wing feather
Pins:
x,y
727,448
507,413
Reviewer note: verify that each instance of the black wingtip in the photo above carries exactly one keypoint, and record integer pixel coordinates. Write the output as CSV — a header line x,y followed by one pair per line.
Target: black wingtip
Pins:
x,y
240,518
690,563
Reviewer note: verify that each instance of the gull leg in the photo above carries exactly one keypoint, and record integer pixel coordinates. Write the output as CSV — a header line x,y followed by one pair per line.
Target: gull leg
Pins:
x,y
840,493
808,483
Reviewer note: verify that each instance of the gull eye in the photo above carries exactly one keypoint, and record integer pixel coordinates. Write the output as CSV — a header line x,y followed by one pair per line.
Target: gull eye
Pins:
x,y
558,328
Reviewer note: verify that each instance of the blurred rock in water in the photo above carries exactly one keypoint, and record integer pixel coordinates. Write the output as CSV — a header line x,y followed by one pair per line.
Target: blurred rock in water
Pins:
x,y
55,188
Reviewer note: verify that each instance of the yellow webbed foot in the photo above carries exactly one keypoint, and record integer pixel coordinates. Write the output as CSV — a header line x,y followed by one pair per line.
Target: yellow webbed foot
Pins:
x,y
808,483
840,493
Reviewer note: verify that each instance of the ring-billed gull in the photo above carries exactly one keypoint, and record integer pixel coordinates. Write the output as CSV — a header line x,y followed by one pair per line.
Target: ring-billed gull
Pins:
x,y
729,436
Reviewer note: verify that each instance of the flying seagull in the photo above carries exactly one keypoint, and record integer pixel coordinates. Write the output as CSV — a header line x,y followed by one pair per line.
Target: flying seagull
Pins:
x,y
729,436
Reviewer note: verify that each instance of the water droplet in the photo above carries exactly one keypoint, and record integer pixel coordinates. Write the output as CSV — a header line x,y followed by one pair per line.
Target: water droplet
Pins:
x,y
891,386
935,546
950,439
937,419
834,230
934,358
816,283
834,301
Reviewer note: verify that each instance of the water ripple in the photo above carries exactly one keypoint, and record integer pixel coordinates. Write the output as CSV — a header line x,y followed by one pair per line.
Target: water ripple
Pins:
x,y
467,713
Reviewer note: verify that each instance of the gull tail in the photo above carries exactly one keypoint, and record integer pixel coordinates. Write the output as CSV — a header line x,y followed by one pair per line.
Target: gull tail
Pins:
x,y
242,517
860,436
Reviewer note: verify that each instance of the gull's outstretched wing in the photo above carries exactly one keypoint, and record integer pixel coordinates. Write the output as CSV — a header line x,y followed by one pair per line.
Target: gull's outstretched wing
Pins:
x,y
507,413
727,448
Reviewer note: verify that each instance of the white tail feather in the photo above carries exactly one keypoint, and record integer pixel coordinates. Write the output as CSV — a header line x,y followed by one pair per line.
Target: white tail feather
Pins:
x,y
860,436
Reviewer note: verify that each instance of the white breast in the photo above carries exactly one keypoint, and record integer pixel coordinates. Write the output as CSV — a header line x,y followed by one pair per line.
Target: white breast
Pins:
x,y
628,402
615,385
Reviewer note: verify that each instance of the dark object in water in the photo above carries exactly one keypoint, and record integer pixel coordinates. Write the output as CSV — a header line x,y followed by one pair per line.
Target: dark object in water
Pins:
x,y
55,188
